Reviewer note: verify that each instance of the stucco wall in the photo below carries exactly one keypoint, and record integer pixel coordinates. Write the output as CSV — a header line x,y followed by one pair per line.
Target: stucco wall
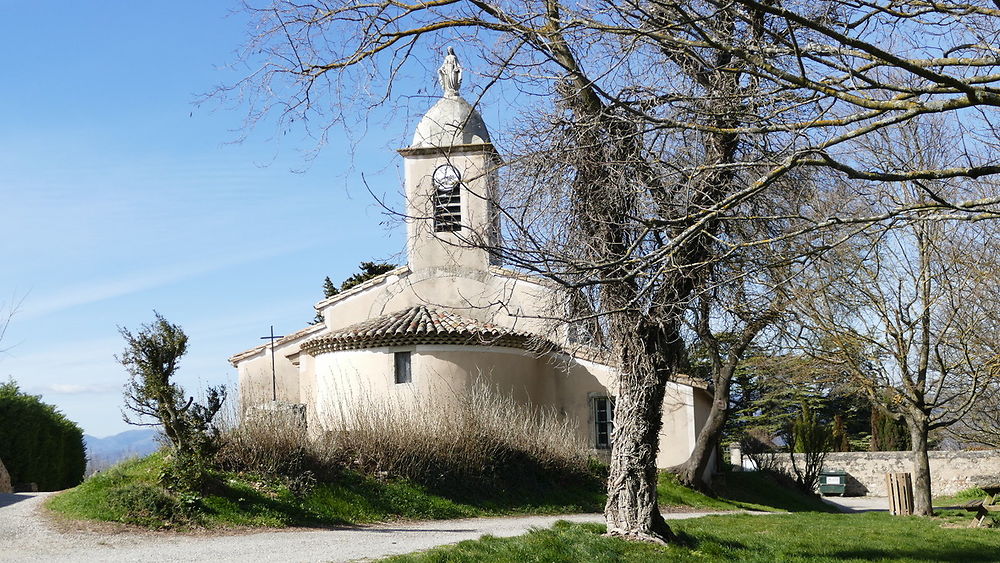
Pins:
x,y
254,370
685,410
426,248
513,303
255,379
575,383
358,379
951,471
677,434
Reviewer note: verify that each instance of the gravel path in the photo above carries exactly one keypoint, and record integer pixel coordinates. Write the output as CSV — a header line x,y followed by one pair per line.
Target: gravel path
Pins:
x,y
26,534
859,504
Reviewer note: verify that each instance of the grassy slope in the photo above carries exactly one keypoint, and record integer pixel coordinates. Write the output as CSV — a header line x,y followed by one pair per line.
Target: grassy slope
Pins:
x,y
125,493
740,491
114,495
800,537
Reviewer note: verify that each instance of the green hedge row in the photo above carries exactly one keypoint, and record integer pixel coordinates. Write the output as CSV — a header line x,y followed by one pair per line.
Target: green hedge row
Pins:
x,y
37,443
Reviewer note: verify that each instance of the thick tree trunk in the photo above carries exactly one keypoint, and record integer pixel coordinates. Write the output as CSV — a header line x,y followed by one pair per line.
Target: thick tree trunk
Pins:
x,y
646,358
632,510
921,469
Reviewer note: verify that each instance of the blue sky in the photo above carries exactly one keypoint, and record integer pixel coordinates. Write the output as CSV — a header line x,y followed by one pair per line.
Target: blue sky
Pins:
x,y
118,196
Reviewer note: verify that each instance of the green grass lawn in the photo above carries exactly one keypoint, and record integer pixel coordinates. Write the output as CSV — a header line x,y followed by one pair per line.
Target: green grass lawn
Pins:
x,y
131,493
950,509
811,537
740,491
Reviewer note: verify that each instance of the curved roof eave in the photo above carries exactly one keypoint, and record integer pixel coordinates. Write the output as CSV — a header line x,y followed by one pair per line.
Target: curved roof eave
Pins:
x,y
421,324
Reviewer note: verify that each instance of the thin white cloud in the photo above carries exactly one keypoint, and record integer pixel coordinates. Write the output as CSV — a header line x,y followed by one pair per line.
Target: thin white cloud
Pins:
x,y
76,389
40,305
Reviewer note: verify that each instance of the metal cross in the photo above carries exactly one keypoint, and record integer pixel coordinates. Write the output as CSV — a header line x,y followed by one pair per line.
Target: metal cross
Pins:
x,y
274,382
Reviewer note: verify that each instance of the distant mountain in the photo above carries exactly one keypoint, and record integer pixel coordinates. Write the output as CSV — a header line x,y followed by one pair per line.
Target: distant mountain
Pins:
x,y
105,452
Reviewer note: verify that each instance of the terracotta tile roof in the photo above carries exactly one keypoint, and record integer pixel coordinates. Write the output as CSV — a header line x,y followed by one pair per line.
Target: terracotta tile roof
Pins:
x,y
423,325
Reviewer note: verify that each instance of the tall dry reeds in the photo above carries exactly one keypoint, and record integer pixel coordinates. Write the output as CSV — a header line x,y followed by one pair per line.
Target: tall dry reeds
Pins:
x,y
484,439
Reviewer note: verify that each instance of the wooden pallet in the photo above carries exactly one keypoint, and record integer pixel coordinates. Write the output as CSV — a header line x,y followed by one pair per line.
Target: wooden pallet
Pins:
x,y
900,487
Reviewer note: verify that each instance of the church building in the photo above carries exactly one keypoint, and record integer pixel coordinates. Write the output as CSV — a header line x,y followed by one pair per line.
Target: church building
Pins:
x,y
452,318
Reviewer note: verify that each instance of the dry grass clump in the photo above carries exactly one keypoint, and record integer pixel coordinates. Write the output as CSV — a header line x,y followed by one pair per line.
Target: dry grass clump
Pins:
x,y
486,441
274,443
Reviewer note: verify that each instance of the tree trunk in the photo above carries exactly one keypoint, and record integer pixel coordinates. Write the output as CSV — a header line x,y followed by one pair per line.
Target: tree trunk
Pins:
x,y
633,510
921,469
692,473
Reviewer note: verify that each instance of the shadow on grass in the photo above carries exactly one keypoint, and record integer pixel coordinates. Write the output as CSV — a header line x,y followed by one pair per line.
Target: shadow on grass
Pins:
x,y
968,554
531,495
244,505
688,541
765,489
352,499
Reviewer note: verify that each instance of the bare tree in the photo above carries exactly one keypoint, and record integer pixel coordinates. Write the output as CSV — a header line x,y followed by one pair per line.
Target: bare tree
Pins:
x,y
910,308
980,425
7,312
739,300
649,128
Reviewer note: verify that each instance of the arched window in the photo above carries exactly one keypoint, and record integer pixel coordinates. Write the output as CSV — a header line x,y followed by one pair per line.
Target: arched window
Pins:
x,y
447,199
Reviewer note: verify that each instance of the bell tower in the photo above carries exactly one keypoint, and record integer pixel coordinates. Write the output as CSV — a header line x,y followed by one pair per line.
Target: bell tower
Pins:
x,y
450,175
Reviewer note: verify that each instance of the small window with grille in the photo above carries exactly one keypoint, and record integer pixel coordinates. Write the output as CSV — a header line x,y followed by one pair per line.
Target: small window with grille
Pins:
x,y
604,421
447,199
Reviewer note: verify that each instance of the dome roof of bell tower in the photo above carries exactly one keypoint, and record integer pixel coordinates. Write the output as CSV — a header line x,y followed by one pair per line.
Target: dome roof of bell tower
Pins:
x,y
452,120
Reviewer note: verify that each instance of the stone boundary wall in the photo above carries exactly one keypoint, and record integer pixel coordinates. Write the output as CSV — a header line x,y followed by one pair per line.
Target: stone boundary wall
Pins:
x,y
951,471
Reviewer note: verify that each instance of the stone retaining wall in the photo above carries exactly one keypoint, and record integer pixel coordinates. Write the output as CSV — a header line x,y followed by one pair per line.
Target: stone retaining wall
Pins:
x,y
951,471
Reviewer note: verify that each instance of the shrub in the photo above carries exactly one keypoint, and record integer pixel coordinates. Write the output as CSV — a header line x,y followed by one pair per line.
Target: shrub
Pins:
x,y
145,504
276,447
975,493
38,443
809,440
757,445
152,356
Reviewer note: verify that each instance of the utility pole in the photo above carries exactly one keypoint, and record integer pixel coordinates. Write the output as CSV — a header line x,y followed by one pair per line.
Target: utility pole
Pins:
x,y
274,380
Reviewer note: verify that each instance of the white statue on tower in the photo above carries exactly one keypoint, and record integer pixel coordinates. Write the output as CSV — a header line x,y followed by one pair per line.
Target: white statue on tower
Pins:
x,y
450,75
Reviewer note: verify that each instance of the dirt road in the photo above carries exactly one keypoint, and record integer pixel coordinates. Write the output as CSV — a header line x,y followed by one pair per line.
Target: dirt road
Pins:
x,y
27,534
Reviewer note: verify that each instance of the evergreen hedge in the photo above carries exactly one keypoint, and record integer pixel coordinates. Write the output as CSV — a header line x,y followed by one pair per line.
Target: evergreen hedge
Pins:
x,y
37,443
